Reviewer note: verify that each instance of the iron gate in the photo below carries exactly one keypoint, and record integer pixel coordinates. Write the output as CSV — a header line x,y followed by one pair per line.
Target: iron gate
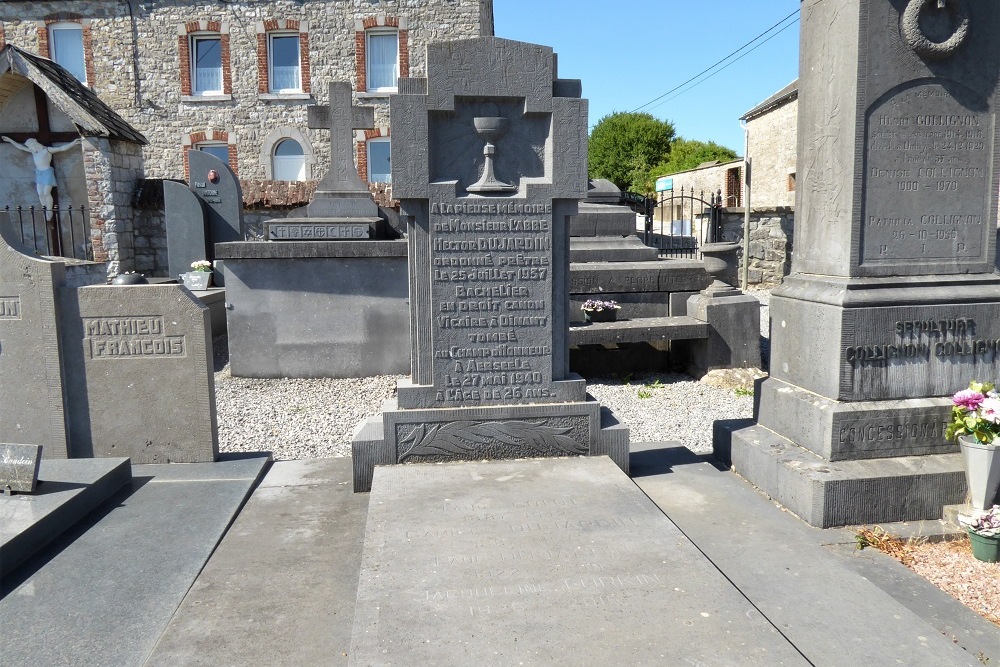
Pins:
x,y
683,222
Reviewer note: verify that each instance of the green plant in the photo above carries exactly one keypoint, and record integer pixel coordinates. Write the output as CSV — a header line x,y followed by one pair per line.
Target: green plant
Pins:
x,y
879,539
645,393
627,380
655,384
744,391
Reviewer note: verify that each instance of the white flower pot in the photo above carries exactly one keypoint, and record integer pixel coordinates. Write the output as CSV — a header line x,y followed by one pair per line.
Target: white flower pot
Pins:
x,y
196,280
982,471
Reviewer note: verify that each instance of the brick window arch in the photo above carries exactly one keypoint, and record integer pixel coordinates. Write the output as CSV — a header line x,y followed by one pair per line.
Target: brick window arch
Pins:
x,y
193,36
195,140
381,134
269,33
46,47
379,25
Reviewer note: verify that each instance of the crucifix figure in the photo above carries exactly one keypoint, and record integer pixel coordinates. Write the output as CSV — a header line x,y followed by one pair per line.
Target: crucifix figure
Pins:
x,y
45,175
341,117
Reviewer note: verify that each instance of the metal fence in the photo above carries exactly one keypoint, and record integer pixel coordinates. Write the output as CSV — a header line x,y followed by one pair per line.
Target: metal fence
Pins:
x,y
683,222
59,232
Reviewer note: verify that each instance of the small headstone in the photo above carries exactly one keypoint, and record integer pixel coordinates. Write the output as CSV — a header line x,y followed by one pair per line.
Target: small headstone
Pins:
x,y
187,241
216,186
19,467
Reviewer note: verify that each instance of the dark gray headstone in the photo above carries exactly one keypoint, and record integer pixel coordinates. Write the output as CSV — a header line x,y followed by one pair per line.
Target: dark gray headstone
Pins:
x,y
488,165
31,375
187,241
140,381
217,187
893,301
19,467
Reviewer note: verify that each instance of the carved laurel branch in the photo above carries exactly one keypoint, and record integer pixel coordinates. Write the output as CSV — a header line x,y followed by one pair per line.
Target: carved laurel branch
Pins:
x,y
918,41
463,437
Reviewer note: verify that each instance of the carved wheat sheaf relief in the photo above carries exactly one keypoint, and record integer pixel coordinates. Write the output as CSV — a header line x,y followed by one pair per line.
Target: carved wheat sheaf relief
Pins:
x,y
466,438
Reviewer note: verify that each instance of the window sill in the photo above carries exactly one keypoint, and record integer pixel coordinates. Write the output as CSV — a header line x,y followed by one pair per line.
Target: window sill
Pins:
x,y
376,94
279,97
206,98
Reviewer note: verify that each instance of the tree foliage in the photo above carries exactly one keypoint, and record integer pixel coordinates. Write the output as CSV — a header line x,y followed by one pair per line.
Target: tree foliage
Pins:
x,y
688,153
625,146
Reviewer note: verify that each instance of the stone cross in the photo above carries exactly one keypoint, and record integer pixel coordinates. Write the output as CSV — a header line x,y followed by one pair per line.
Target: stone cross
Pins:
x,y
341,117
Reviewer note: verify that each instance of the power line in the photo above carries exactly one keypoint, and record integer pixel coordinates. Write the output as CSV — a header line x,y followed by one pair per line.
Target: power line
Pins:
x,y
722,68
710,68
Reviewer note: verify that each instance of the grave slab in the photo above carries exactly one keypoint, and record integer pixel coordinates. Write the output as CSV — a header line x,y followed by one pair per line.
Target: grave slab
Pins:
x,y
19,467
123,571
536,561
68,490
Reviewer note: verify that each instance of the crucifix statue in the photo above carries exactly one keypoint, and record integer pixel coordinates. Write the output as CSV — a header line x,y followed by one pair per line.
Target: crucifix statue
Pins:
x,y
45,175
341,117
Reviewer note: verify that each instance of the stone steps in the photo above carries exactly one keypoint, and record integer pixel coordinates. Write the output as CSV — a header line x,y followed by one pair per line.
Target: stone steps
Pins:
x,y
638,330
610,249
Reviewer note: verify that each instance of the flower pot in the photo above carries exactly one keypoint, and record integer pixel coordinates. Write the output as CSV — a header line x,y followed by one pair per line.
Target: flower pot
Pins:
x,y
609,315
982,471
196,280
985,548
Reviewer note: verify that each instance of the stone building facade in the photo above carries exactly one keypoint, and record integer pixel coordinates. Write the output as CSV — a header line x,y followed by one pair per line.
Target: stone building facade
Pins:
x,y
236,77
771,138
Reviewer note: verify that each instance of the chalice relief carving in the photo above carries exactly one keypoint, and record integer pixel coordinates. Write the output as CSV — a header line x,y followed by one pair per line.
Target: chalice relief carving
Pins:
x,y
491,128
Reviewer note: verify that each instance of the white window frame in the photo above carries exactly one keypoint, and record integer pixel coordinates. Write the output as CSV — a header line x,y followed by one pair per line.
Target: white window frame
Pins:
x,y
380,32
66,26
368,149
270,63
201,145
275,157
193,49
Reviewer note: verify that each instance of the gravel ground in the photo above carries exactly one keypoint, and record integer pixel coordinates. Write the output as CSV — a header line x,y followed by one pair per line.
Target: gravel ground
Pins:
x,y
951,567
301,419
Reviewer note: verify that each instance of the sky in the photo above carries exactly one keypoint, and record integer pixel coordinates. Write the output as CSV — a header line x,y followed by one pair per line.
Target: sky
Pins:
x,y
632,52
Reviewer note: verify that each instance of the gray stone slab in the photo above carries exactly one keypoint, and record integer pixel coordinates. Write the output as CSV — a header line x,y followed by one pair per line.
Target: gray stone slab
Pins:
x,y
305,249
32,351
825,493
282,585
500,563
831,615
68,490
673,275
123,573
320,230
638,330
634,304
602,220
610,249
187,237
19,467
140,380
733,341
215,184
340,314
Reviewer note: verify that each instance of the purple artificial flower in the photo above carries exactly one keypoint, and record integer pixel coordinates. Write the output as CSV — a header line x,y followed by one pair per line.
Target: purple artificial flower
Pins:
x,y
968,399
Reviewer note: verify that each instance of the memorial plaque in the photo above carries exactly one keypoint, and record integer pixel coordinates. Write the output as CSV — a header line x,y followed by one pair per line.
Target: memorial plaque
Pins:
x,y
187,239
19,467
560,561
317,231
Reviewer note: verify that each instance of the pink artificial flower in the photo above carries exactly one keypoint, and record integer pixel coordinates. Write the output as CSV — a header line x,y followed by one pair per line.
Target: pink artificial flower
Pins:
x,y
989,410
968,399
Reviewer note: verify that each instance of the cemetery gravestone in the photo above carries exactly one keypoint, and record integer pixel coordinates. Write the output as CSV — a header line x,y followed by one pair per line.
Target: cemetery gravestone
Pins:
x,y
31,375
19,467
185,222
893,303
489,162
216,186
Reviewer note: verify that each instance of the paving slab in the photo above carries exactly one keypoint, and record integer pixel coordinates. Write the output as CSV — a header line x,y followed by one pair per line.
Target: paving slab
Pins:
x,y
540,562
101,594
281,587
831,615
68,490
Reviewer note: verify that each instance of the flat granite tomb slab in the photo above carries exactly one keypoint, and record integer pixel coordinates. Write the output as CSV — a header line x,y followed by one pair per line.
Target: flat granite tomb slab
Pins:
x,y
67,490
541,561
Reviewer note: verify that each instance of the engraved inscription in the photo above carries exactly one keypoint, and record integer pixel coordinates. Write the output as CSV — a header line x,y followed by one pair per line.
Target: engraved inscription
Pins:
x,y
469,440
10,307
314,232
130,338
491,288
927,171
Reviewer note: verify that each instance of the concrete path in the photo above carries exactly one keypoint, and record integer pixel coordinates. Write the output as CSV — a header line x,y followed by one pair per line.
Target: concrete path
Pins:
x,y
281,588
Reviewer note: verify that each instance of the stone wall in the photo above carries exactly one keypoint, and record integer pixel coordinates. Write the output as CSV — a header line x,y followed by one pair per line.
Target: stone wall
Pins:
x,y
113,170
137,64
772,148
771,231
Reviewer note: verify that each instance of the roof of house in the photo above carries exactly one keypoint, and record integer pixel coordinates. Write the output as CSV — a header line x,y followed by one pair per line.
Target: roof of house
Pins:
x,y
91,116
786,94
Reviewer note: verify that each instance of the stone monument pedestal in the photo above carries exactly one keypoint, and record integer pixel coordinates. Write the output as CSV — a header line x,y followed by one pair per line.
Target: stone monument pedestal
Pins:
x,y
894,301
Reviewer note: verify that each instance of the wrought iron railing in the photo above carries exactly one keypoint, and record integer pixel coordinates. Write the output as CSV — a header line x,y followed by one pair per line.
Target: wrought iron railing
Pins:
x,y
685,220
62,232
